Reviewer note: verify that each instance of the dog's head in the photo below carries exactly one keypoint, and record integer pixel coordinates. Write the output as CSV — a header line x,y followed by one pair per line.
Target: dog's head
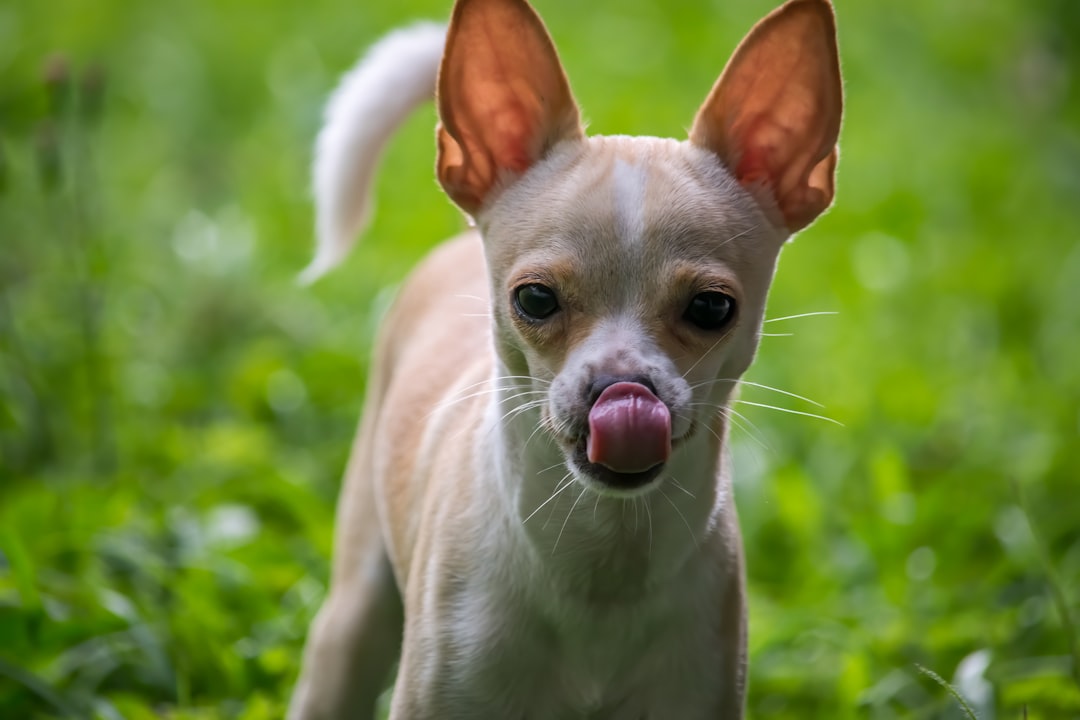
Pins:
x,y
629,275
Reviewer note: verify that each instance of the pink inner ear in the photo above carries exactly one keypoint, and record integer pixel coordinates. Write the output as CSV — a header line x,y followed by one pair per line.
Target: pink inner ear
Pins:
x,y
753,166
503,98
769,161
768,156
513,133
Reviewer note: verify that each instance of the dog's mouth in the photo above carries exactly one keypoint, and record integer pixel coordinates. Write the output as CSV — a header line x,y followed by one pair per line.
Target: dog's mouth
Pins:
x,y
609,478
627,440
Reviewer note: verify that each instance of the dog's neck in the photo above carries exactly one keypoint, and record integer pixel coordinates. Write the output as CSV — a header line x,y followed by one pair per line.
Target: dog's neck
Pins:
x,y
602,548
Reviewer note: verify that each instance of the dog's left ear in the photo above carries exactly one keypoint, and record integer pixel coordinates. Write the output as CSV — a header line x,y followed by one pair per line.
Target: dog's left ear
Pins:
x,y
773,117
503,99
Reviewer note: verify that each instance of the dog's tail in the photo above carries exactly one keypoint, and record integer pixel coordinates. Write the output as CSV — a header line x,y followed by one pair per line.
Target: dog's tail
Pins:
x,y
372,101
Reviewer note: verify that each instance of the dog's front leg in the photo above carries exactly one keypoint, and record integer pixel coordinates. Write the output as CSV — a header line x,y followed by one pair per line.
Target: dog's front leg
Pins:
x,y
353,643
469,648
356,635
732,627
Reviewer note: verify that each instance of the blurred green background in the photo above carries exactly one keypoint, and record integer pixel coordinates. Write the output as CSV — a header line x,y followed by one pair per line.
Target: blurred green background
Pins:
x,y
175,411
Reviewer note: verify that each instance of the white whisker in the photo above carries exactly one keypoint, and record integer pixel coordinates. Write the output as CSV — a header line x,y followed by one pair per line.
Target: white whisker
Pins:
x,y
793,412
706,353
702,383
559,537
737,419
566,482
522,408
495,386
708,426
463,393
679,486
736,236
489,391
648,512
538,428
782,392
681,516
733,417
802,315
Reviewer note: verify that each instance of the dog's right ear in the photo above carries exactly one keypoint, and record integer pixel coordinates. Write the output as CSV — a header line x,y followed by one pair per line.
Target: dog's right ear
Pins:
x,y
503,99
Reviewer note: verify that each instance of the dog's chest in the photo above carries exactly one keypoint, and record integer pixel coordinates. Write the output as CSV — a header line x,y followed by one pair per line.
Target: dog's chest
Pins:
x,y
596,659
632,663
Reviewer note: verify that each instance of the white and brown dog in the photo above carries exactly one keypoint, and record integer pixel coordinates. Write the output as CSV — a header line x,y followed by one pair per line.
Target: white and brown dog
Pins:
x,y
538,511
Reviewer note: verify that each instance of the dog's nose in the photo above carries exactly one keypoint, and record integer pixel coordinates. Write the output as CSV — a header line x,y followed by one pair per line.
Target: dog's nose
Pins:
x,y
603,382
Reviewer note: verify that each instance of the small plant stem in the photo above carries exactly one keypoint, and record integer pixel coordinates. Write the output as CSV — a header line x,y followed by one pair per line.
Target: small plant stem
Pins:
x,y
952,691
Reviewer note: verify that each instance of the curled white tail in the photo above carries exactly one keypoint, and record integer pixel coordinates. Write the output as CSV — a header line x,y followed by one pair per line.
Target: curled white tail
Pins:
x,y
374,98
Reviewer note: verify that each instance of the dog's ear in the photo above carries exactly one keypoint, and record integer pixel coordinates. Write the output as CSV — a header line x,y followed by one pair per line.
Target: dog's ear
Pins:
x,y
773,117
503,98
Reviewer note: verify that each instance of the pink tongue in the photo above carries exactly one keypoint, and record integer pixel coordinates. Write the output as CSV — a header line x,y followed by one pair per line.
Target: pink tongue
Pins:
x,y
629,429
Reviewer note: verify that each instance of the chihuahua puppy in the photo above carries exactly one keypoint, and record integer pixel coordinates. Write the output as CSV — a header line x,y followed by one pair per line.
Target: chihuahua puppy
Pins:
x,y
537,517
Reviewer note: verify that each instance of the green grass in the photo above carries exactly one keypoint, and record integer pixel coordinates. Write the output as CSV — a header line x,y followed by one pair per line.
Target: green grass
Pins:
x,y
175,411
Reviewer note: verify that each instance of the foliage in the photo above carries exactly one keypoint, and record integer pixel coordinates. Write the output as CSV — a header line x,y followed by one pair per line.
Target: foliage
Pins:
x,y
175,410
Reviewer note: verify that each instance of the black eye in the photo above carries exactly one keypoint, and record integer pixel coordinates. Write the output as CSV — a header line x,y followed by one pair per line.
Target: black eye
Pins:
x,y
535,302
710,310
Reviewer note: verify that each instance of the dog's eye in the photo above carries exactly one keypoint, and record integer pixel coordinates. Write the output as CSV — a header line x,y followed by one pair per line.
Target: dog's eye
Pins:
x,y
710,310
535,302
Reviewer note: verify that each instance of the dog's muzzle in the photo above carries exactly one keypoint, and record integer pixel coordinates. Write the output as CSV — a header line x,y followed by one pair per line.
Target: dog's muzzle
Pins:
x,y
629,436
